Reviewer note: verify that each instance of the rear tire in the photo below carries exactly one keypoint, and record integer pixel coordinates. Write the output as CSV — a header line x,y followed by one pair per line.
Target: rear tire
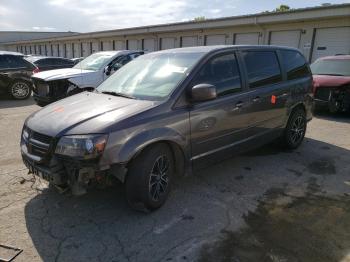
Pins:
x,y
20,90
295,130
149,178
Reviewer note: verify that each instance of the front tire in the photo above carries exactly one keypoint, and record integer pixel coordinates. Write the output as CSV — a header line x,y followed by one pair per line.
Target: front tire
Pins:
x,y
294,132
20,90
149,178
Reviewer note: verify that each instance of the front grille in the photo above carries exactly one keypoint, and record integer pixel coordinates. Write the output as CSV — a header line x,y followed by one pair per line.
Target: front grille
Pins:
x,y
37,144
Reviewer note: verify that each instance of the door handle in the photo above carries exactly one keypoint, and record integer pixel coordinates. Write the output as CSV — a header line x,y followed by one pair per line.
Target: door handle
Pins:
x,y
238,106
256,99
283,95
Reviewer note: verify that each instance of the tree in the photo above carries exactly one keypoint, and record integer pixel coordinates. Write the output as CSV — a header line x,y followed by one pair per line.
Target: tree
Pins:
x,y
199,18
282,8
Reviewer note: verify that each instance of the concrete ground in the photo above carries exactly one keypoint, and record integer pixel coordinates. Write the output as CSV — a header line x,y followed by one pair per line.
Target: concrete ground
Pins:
x,y
267,205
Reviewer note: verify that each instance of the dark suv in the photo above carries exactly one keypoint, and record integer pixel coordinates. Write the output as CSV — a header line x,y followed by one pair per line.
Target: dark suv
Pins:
x,y
170,112
15,73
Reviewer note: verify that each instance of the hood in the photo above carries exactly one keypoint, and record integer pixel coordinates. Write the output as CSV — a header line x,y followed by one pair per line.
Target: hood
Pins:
x,y
61,74
330,81
84,113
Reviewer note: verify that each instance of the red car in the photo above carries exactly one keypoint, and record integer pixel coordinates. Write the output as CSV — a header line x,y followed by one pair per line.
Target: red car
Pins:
x,y
331,82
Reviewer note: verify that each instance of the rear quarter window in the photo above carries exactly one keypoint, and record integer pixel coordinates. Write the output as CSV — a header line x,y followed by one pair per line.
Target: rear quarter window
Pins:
x,y
294,64
262,68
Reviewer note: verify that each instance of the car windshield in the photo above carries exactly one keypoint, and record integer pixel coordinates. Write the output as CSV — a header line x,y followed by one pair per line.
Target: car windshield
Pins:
x,y
331,67
151,77
94,62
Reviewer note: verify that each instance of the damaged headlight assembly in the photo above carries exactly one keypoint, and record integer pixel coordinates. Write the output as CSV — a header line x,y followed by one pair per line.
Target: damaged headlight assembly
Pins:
x,y
82,146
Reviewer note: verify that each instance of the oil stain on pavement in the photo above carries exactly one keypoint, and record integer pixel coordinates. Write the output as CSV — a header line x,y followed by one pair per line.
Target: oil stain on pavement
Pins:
x,y
311,227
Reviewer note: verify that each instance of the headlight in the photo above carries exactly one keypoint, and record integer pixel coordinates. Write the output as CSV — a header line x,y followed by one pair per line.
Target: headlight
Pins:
x,y
81,146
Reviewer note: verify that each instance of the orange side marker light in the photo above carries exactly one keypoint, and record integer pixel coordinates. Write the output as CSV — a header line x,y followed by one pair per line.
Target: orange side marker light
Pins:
x,y
273,99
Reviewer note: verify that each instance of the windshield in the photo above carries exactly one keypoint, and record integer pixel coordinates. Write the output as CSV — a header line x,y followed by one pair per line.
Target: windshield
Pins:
x,y
331,67
94,62
151,77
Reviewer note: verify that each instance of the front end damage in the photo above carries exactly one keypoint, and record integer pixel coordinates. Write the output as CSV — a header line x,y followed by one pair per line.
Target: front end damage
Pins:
x,y
337,99
46,92
38,154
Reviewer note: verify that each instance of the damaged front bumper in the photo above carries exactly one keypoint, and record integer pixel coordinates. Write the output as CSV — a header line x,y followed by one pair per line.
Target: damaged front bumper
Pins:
x,y
78,176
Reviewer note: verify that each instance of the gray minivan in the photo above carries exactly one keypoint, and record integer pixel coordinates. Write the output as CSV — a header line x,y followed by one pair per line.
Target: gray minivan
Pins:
x,y
170,112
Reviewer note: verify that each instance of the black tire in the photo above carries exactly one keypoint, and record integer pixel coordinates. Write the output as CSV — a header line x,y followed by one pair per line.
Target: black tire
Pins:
x,y
20,90
295,130
149,178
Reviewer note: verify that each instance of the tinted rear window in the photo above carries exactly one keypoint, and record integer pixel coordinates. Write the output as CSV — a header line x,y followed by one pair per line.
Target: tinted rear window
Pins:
x,y
262,68
294,64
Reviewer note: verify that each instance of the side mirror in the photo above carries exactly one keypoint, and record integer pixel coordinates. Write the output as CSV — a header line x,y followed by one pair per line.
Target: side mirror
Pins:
x,y
107,70
203,92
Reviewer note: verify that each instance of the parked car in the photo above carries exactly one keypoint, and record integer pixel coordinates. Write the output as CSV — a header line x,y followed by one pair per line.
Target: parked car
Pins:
x,y
170,112
45,63
15,73
54,85
331,76
77,60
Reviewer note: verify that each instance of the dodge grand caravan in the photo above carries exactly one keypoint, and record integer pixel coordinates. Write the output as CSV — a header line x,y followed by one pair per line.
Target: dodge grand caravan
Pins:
x,y
167,113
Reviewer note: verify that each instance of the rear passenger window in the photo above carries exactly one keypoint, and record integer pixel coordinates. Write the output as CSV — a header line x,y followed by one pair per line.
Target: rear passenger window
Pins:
x,y
222,72
262,68
294,64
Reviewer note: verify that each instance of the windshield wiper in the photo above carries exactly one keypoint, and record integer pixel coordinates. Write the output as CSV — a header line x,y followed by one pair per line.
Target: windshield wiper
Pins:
x,y
118,94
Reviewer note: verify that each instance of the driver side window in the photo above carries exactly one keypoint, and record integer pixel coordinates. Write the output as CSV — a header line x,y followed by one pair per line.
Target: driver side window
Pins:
x,y
222,72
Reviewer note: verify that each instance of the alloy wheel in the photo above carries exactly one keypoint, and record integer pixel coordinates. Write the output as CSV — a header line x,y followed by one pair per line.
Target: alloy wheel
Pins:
x,y
20,90
158,182
297,130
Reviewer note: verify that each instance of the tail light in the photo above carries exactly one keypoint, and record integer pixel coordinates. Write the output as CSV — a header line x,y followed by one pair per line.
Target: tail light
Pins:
x,y
36,70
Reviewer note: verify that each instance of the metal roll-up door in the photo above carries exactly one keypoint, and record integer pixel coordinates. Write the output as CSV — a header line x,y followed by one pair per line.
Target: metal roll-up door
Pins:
x,y
86,49
167,43
76,48
215,40
132,44
247,39
118,45
286,38
107,45
331,41
149,45
95,47
187,41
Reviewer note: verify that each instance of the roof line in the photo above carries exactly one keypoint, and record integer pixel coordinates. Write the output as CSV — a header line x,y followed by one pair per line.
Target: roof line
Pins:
x,y
261,14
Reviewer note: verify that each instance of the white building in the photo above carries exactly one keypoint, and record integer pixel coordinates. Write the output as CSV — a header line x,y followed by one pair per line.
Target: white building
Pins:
x,y
317,31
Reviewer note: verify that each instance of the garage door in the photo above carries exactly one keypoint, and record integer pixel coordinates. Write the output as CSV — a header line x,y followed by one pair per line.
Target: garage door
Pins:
x,y
107,45
76,49
215,40
285,38
118,45
189,41
331,41
149,45
132,44
69,53
167,43
95,47
247,39
86,49
61,50
55,50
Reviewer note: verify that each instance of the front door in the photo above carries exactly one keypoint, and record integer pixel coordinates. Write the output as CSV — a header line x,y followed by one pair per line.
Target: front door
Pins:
x,y
222,123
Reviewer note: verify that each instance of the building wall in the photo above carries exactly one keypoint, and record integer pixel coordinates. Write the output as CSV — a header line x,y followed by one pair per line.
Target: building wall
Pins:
x,y
174,37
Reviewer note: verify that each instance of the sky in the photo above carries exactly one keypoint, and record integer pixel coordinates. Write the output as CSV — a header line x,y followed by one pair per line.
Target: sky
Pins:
x,y
96,15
